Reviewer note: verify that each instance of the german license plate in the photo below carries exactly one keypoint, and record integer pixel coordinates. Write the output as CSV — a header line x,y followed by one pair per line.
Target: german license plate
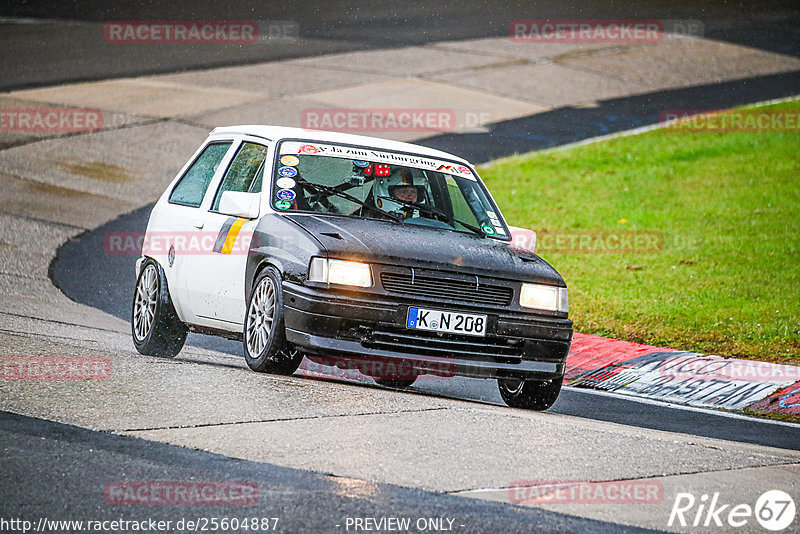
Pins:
x,y
446,321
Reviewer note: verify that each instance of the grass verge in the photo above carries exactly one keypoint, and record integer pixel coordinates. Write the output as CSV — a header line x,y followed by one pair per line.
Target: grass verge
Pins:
x,y
717,216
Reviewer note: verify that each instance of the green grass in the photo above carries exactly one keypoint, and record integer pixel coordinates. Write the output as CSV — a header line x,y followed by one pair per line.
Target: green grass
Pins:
x,y
728,206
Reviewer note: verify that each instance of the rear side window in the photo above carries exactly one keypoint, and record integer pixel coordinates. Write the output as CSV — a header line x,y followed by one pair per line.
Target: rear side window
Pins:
x,y
244,173
191,188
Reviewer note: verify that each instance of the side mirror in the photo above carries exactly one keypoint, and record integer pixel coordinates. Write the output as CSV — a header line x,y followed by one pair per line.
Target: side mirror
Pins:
x,y
240,204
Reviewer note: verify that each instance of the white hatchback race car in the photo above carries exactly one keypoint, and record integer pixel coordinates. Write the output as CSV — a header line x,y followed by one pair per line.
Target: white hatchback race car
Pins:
x,y
344,248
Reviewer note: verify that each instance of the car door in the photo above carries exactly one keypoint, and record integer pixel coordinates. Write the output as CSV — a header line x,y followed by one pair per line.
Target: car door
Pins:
x,y
215,280
177,215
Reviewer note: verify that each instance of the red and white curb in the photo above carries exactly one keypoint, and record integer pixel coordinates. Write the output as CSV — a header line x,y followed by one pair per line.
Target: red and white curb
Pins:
x,y
682,377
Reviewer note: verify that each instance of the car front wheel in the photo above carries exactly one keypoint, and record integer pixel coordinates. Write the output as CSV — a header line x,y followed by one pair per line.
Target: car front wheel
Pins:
x,y
155,326
265,346
529,394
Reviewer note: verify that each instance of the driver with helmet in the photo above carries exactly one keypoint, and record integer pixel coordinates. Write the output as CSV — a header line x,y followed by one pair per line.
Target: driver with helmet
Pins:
x,y
400,185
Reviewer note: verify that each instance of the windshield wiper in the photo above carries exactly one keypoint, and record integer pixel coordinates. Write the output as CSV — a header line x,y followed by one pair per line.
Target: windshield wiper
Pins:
x,y
333,191
436,213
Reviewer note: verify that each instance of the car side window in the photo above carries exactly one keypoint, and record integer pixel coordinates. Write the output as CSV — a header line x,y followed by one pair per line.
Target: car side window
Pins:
x,y
191,188
244,173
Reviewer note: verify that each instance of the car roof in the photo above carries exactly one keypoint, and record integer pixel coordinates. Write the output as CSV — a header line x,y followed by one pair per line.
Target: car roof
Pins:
x,y
276,133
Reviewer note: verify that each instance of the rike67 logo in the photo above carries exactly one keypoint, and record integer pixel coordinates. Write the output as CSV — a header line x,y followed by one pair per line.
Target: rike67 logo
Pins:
x,y
774,510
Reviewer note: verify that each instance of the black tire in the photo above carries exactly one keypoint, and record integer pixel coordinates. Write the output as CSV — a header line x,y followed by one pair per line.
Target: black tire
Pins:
x,y
271,353
392,383
529,394
155,327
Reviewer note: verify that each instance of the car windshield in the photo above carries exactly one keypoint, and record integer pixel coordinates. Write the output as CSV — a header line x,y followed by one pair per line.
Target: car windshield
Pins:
x,y
370,183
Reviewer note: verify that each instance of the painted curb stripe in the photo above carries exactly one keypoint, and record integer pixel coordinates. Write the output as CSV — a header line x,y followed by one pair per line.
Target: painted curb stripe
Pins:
x,y
233,233
687,378
589,353
783,402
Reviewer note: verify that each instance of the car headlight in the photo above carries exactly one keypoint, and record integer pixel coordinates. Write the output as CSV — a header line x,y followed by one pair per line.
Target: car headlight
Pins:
x,y
541,297
348,273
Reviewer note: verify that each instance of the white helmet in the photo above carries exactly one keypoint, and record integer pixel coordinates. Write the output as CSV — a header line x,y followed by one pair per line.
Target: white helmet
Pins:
x,y
385,186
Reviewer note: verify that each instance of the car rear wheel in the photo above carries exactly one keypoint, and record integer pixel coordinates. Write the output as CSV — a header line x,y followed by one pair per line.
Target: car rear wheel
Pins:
x,y
155,326
265,346
529,394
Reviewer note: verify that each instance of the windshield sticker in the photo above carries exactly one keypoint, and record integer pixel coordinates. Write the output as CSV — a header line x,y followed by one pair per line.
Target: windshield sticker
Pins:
x,y
454,169
287,172
285,183
307,149
283,204
285,194
488,229
499,229
370,155
289,160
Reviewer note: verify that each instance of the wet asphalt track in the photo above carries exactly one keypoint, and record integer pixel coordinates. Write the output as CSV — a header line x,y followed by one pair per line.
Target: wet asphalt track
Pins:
x,y
66,468
70,51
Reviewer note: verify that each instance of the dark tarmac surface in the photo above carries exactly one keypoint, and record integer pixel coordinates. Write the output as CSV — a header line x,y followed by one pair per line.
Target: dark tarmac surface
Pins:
x,y
68,44
568,124
65,469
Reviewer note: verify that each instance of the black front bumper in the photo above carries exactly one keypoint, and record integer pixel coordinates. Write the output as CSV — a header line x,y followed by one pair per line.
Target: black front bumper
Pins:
x,y
369,327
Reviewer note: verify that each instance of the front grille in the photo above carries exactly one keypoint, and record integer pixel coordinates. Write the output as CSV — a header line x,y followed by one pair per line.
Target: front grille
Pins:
x,y
439,287
447,346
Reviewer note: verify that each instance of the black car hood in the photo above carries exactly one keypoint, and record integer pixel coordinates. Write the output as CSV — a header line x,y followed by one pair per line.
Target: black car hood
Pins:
x,y
419,246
